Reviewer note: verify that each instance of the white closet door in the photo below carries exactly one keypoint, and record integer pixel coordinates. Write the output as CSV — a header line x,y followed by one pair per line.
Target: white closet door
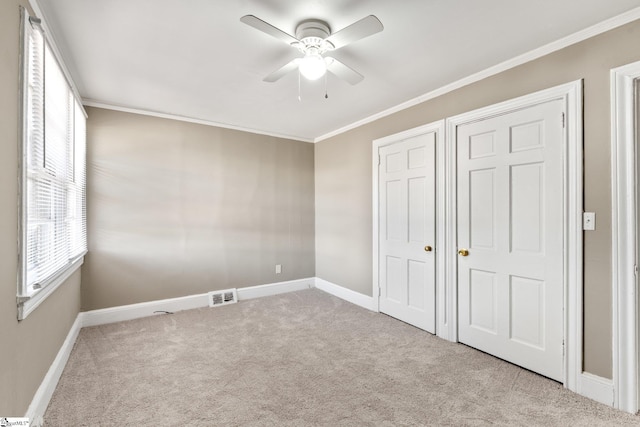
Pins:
x,y
407,230
510,220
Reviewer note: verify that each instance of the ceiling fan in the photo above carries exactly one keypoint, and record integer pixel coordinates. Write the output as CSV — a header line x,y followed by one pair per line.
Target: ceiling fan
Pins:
x,y
313,39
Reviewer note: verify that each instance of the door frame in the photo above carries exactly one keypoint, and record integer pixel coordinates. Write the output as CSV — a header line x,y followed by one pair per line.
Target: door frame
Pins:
x,y
624,244
571,95
438,128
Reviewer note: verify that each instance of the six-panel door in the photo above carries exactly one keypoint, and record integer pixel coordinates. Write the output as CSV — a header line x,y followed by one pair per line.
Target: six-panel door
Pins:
x,y
407,230
510,216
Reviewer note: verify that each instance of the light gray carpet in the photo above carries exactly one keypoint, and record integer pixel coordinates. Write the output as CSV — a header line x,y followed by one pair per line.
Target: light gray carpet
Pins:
x,y
303,358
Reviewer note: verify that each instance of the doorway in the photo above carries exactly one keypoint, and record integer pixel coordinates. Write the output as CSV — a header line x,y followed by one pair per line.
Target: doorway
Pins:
x,y
625,241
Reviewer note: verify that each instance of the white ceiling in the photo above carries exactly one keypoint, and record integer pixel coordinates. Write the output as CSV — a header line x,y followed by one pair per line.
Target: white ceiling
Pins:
x,y
197,60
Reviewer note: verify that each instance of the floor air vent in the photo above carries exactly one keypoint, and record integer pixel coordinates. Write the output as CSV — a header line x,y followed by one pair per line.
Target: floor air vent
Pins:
x,y
217,298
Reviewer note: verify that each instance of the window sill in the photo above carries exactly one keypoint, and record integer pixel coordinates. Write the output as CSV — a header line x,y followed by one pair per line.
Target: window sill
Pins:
x,y
29,303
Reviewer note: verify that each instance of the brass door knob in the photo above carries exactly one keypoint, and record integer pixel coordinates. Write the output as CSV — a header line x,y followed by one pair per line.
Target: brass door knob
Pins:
x,y
463,252
428,248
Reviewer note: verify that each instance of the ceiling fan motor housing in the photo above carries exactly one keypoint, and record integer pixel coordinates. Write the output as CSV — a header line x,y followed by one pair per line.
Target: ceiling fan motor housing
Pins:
x,y
312,34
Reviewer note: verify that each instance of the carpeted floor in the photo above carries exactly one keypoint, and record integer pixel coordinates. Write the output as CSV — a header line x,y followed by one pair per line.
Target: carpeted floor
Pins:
x,y
303,358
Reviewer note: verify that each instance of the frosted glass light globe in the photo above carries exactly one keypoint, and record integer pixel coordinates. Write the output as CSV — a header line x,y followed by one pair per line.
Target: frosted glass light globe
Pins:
x,y
312,66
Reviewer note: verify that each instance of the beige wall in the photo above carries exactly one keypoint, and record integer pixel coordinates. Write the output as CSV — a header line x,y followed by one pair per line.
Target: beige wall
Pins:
x,y
27,347
176,209
343,173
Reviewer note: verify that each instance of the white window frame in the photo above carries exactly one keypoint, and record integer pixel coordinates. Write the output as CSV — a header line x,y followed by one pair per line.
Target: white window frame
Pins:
x,y
28,298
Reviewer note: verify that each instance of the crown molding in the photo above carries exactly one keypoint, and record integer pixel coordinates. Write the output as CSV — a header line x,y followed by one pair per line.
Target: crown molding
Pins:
x,y
594,30
93,103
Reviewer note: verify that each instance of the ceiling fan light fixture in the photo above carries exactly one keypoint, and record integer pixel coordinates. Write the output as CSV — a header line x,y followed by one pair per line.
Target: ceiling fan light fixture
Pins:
x,y
313,39
312,66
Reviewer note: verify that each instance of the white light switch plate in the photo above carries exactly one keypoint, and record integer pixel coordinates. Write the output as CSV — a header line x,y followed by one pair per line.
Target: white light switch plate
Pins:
x,y
588,221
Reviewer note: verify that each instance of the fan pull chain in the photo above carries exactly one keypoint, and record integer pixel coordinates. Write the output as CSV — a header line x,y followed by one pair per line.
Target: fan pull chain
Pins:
x,y
299,93
326,95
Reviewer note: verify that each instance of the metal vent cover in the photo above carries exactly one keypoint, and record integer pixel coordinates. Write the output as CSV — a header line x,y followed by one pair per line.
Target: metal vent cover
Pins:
x,y
227,296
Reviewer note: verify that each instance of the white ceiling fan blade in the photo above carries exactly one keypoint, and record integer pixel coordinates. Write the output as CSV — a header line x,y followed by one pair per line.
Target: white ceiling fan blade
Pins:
x,y
343,72
281,72
356,31
267,28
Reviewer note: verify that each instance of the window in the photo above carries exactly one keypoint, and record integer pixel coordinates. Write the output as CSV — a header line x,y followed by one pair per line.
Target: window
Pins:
x,y
52,162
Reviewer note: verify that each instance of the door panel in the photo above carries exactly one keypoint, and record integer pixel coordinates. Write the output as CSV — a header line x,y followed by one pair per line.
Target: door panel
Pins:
x,y
510,216
417,199
393,211
527,311
394,278
483,302
527,213
482,212
416,284
407,225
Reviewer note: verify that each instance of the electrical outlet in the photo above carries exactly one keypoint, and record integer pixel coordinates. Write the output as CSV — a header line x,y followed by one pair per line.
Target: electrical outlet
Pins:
x,y
278,268
589,221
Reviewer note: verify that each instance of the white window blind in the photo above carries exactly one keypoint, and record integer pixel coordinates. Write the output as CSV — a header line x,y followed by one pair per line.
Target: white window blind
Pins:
x,y
53,204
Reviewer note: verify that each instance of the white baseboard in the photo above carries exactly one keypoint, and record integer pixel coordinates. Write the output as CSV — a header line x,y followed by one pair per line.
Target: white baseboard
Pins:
x,y
41,399
143,309
596,388
346,294
275,288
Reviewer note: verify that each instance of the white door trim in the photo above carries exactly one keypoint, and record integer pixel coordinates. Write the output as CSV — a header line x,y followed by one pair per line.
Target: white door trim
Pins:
x,y
438,128
623,237
571,94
